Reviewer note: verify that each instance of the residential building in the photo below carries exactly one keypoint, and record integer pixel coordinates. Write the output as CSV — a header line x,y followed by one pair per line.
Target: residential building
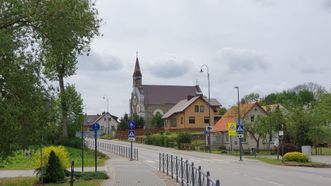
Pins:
x,y
248,112
147,100
108,123
191,113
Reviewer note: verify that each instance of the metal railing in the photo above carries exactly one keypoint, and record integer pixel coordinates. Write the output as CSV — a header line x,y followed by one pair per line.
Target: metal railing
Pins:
x,y
184,172
120,150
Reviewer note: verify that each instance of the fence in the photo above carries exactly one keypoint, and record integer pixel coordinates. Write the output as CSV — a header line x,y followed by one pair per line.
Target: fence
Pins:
x,y
120,150
184,172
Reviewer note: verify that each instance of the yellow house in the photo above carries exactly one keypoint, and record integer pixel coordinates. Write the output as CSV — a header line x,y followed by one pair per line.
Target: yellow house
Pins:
x,y
190,113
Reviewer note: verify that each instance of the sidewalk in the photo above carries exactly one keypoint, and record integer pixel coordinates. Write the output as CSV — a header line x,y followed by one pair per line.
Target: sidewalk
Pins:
x,y
123,172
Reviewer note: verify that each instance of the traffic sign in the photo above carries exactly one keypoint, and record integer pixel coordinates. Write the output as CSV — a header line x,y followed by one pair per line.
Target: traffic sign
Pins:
x,y
240,128
131,124
95,126
131,135
232,129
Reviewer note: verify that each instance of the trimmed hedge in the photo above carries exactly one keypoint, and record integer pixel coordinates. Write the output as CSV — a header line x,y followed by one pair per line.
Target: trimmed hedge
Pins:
x,y
163,140
295,156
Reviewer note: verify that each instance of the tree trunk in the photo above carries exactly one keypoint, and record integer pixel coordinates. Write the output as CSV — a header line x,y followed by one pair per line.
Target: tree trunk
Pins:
x,y
63,107
258,145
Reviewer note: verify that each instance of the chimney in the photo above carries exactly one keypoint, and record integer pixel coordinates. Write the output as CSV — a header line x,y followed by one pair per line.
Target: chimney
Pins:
x,y
189,97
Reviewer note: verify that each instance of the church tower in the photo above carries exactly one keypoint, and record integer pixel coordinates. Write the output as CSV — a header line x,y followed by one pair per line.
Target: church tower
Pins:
x,y
137,77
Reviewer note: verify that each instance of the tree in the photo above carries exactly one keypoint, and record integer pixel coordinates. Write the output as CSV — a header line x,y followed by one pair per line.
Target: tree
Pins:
x,y
157,121
140,123
252,97
55,33
222,111
123,124
256,129
54,172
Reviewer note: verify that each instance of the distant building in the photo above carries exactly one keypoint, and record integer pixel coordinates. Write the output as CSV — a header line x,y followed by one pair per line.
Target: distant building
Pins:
x,y
147,100
108,123
191,113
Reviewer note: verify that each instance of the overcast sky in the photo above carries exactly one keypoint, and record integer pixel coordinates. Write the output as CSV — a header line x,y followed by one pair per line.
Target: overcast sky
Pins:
x,y
261,46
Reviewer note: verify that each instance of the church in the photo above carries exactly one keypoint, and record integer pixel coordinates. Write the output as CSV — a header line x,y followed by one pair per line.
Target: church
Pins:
x,y
147,100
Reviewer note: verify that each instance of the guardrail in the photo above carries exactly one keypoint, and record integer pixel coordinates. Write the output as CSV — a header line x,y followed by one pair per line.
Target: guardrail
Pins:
x,y
184,172
120,150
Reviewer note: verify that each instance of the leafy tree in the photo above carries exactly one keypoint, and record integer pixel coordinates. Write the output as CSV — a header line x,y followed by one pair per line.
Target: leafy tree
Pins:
x,y
252,97
222,111
140,123
157,121
54,172
123,124
54,32
256,129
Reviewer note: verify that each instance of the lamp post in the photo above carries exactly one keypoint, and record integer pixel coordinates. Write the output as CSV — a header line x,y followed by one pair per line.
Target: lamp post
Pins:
x,y
106,97
208,134
240,139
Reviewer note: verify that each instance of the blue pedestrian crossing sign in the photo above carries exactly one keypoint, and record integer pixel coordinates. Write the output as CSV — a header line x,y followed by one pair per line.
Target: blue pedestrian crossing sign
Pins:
x,y
95,126
131,124
131,135
240,128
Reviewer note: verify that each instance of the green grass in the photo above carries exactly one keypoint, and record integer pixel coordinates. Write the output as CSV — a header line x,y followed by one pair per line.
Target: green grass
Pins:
x,y
32,181
288,163
21,162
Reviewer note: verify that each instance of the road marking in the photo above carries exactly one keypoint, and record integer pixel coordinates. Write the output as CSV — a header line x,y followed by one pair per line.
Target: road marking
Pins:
x,y
149,161
275,183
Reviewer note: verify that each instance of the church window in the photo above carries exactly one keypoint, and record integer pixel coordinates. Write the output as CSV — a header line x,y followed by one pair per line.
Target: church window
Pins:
x,y
191,120
196,108
202,108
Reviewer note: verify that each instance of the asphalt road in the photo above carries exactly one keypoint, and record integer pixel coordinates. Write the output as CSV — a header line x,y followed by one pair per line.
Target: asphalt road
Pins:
x,y
230,171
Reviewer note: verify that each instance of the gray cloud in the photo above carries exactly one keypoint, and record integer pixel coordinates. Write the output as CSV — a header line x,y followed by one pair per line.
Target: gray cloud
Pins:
x,y
99,62
327,4
170,68
240,60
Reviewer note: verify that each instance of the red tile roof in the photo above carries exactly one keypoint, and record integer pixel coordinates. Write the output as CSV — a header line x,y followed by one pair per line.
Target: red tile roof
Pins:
x,y
231,116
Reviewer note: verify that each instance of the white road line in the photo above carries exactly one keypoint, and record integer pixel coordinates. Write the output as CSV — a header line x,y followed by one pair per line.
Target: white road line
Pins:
x,y
149,161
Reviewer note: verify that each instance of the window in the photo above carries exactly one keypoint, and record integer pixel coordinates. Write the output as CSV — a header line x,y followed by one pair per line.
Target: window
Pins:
x,y
206,120
252,118
191,120
196,108
173,122
202,108
104,119
181,120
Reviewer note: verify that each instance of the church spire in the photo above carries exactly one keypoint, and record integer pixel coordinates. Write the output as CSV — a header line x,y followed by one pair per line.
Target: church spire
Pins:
x,y
137,76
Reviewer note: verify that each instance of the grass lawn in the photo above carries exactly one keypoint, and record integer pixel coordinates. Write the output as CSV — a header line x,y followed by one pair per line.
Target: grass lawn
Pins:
x,y
21,162
32,181
289,163
321,151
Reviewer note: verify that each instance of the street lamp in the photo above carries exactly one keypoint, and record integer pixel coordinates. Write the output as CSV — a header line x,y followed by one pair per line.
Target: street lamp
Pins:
x,y
106,98
208,135
240,137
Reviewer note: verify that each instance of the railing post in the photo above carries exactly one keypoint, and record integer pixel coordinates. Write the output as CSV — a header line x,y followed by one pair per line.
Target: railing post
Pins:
x,y
218,183
182,170
192,170
163,161
176,169
208,180
72,173
199,178
167,164
172,167
159,161
187,173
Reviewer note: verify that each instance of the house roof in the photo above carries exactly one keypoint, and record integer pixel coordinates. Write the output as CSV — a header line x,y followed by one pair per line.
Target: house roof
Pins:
x,y
213,101
90,119
180,106
168,94
231,116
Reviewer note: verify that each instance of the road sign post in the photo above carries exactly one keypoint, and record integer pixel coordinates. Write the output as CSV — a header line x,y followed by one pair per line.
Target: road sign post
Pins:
x,y
131,135
95,127
240,134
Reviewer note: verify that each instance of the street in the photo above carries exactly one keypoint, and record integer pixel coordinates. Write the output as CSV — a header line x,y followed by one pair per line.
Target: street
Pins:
x,y
231,171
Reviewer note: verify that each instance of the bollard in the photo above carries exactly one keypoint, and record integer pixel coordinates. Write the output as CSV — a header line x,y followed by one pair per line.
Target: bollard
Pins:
x,y
192,173
199,178
171,166
176,169
182,170
208,180
72,173
218,183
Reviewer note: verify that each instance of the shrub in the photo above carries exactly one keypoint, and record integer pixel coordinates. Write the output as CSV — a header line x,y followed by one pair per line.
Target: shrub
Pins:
x,y
183,137
54,171
295,156
59,151
91,175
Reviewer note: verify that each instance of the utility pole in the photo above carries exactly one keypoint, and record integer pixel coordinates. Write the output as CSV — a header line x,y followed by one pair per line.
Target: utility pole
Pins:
x,y
208,128
240,138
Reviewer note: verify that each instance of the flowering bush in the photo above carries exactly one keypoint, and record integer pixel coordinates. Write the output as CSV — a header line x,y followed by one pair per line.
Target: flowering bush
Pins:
x,y
295,156
59,151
